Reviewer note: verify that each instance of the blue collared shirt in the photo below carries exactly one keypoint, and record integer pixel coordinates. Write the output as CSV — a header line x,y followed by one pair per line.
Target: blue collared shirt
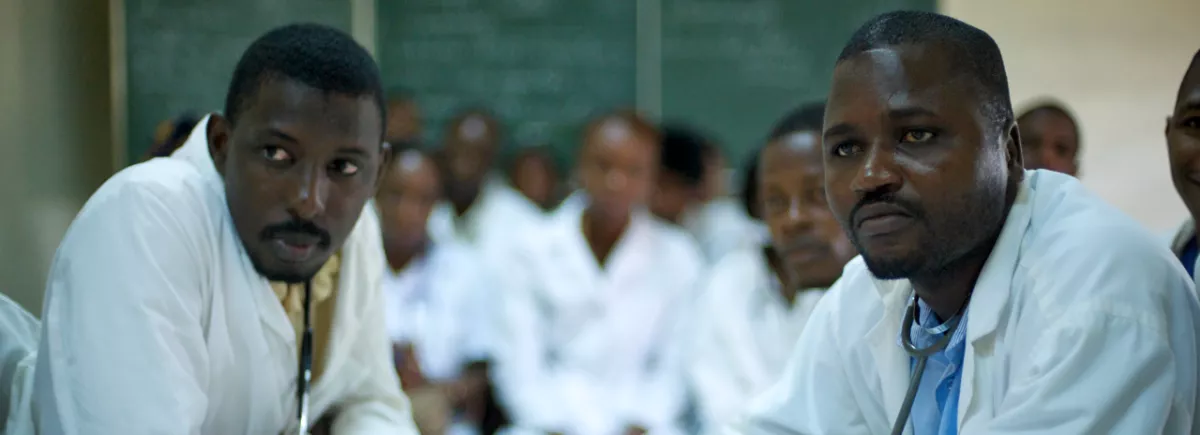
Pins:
x,y
935,409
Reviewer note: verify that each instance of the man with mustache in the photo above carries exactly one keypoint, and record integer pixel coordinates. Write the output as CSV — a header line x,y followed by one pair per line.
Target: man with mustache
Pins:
x,y
971,309
235,287
757,300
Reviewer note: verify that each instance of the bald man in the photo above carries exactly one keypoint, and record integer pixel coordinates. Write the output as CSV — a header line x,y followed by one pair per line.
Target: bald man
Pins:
x,y
587,339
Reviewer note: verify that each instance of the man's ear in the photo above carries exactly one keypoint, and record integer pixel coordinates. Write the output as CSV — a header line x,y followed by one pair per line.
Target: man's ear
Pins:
x,y
218,140
1167,127
1014,156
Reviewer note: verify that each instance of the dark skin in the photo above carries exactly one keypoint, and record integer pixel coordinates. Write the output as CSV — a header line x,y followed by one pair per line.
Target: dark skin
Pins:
x,y
617,167
807,243
298,166
404,121
406,198
1183,140
469,152
917,172
1050,142
533,175
672,196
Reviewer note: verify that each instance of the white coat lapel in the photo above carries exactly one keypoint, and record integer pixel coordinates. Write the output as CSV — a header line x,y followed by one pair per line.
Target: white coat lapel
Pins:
x,y
989,301
890,360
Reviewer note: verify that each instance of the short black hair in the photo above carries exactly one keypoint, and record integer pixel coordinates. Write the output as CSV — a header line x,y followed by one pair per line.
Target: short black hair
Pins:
x,y
807,117
682,154
318,56
750,184
972,51
1048,106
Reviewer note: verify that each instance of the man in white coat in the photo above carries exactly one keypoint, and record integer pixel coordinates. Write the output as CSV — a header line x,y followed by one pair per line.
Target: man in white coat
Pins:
x,y
973,278
587,335
1183,150
184,291
757,301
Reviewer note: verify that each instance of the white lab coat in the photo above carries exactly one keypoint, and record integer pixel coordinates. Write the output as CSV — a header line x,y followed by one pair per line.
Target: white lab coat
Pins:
x,y
437,304
1179,240
721,226
587,350
18,355
1081,323
489,225
742,335
155,321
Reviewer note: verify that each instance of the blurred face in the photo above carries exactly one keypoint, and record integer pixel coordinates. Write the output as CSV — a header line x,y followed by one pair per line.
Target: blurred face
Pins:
x,y
1183,141
617,168
533,176
409,191
1050,143
469,152
714,176
672,196
915,171
803,231
404,122
298,167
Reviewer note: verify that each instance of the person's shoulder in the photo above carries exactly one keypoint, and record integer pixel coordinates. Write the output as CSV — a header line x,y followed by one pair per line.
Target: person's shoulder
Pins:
x,y
854,302
732,277
676,241
155,186
1076,238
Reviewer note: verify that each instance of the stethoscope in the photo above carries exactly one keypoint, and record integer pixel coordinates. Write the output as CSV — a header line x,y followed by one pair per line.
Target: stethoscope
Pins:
x,y
306,350
921,355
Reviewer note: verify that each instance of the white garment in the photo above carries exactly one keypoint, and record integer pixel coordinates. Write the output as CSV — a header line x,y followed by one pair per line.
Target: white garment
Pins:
x,y
489,225
722,226
18,354
742,335
1179,240
587,350
156,322
1081,323
437,304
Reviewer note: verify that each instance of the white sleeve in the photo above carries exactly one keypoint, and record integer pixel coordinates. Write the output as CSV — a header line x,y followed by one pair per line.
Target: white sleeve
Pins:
x,y
526,384
813,397
122,347
711,370
1104,367
375,405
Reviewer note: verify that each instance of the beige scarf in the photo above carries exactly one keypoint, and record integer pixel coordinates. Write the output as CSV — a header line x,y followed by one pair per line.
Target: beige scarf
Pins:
x,y
324,295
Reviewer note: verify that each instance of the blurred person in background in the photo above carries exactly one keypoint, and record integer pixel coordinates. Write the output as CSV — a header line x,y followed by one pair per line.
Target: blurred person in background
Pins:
x,y
720,222
680,183
588,330
1050,138
757,300
404,124
18,357
1183,151
480,210
434,303
534,174
170,135
220,290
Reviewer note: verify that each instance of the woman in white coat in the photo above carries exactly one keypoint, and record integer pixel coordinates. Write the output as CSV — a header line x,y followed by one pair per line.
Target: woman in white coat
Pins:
x,y
1183,150
972,279
757,301
587,330
189,289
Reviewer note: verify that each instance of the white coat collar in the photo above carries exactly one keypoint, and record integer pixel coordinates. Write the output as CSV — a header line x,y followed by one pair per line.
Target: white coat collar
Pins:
x,y
1185,233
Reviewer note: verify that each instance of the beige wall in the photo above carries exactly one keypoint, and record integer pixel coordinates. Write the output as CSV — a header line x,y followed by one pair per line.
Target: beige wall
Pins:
x,y
1117,64
55,141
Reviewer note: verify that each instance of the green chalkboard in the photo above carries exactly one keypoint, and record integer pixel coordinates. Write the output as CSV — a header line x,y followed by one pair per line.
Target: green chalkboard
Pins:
x,y
733,67
543,66
181,53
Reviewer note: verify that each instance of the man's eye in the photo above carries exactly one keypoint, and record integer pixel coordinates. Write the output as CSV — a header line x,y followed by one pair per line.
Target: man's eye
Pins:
x,y
344,167
275,154
916,136
846,149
